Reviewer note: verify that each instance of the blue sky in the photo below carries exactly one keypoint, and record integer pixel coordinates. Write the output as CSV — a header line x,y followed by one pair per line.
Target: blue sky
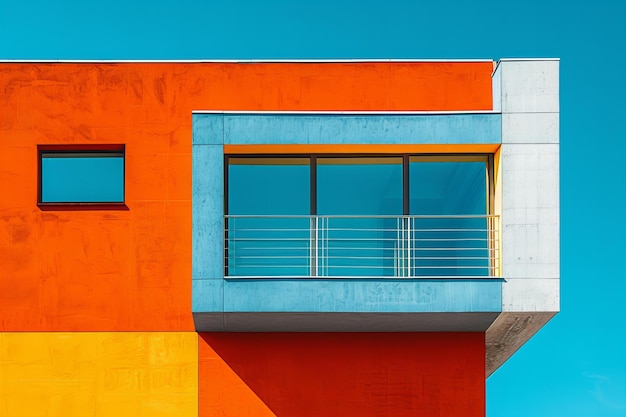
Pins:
x,y
576,365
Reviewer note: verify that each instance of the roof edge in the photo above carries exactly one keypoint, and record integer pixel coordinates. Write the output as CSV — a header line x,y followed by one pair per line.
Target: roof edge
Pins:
x,y
497,63
345,112
236,61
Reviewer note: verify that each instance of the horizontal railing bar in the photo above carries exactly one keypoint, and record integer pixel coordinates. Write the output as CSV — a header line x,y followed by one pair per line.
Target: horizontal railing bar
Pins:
x,y
338,229
416,230
350,247
364,249
455,258
382,268
374,239
330,231
359,277
453,267
237,229
418,267
365,266
326,266
270,266
448,239
356,239
269,239
361,239
274,248
455,249
270,257
356,216
370,259
413,230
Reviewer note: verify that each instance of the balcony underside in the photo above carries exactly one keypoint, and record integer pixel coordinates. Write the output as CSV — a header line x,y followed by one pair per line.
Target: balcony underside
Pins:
x,y
509,332
344,322
505,333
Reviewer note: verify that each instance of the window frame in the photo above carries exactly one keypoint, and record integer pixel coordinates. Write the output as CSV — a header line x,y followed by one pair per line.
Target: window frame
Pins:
x,y
70,150
486,157
406,159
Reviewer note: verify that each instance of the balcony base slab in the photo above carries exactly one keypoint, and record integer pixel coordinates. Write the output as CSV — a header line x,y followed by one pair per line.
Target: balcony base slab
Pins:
x,y
344,322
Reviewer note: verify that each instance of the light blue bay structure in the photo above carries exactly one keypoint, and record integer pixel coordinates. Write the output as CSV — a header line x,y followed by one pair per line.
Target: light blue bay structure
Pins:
x,y
463,241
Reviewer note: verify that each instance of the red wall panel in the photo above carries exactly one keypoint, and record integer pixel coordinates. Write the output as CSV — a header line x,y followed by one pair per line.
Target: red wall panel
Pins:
x,y
342,374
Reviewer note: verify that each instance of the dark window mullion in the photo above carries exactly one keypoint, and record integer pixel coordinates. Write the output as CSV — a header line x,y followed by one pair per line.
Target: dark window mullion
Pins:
x,y
406,208
313,182
226,185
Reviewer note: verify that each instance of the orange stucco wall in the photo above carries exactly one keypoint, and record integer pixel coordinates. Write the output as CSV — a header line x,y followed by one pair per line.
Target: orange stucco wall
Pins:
x,y
130,269
341,374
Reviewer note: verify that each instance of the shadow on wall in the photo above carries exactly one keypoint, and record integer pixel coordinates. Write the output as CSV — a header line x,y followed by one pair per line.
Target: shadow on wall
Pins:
x,y
342,374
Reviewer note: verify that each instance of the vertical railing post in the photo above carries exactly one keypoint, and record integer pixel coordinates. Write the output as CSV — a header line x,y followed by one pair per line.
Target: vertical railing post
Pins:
x,y
403,246
400,247
498,253
313,233
492,246
408,246
226,245
324,225
396,263
232,246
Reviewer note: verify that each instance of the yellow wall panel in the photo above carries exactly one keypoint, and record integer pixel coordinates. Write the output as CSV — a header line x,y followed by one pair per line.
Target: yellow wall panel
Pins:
x,y
99,374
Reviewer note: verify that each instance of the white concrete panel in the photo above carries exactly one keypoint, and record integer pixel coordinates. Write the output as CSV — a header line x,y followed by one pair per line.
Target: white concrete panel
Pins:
x,y
549,254
530,211
530,251
496,89
530,176
532,295
530,128
530,86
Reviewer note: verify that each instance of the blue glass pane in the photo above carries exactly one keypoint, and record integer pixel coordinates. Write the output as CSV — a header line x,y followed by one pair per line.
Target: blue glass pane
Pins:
x,y
359,186
449,246
268,246
440,188
269,186
79,179
369,188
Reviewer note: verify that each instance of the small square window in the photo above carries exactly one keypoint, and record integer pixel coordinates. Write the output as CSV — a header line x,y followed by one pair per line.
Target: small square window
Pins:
x,y
90,176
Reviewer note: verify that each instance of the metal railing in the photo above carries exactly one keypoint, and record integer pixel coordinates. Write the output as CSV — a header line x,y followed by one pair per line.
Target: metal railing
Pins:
x,y
362,246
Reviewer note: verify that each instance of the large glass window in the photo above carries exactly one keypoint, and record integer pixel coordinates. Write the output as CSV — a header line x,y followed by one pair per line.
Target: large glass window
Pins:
x,y
334,216
81,176
268,227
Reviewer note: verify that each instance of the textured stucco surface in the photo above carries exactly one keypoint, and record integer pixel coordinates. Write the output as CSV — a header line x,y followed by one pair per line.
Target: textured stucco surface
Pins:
x,y
92,374
331,374
69,269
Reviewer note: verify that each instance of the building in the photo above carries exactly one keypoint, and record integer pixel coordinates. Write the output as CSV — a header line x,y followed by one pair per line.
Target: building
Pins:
x,y
244,238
